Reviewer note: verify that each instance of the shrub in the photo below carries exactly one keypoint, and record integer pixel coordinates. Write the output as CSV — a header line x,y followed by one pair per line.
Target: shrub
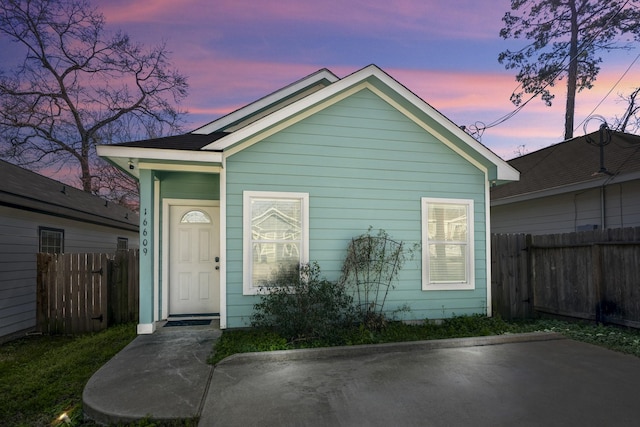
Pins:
x,y
370,269
299,305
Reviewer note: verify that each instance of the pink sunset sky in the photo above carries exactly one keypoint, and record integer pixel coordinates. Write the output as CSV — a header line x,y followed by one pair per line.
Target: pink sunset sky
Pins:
x,y
237,51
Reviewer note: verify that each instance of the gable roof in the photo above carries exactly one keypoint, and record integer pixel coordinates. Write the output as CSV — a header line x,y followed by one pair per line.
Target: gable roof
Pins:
x,y
23,189
293,103
257,109
572,165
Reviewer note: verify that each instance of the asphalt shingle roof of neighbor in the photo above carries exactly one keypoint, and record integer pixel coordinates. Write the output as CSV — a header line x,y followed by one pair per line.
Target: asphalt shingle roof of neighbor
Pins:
x,y
187,141
24,189
571,162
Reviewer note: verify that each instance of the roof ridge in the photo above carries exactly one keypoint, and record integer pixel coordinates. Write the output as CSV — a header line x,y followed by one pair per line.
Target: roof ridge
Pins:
x,y
323,74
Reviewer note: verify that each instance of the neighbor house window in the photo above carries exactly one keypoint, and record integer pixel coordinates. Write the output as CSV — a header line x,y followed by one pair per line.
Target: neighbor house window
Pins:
x,y
447,244
276,235
123,244
51,240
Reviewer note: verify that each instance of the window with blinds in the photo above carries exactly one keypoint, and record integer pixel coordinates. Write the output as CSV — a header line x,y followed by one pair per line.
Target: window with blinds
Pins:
x,y
447,244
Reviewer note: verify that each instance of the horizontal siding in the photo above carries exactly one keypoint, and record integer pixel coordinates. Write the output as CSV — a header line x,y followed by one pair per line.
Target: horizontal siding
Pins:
x,y
189,185
566,212
623,205
552,215
18,249
363,164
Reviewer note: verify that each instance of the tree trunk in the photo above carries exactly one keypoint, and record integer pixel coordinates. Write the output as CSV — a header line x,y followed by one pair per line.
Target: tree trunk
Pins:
x,y
573,73
85,169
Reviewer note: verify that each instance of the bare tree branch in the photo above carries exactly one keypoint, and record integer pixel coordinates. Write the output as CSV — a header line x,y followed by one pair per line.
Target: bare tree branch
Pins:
x,y
79,85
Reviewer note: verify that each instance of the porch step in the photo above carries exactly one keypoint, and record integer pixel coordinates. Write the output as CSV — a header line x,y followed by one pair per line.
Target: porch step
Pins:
x,y
197,316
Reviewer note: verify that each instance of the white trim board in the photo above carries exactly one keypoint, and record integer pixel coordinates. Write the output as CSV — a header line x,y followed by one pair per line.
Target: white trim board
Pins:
x,y
166,203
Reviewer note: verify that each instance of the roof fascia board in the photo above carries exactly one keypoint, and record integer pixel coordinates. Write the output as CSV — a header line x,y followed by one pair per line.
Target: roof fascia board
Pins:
x,y
548,192
68,212
113,151
293,109
172,167
268,100
504,170
430,129
580,186
337,98
285,121
345,87
555,191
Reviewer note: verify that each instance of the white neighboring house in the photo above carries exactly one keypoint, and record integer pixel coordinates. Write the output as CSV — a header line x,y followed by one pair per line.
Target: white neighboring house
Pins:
x,y
38,214
570,187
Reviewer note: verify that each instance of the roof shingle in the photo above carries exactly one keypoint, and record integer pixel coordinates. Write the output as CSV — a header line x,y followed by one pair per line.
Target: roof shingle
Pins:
x,y
23,189
571,162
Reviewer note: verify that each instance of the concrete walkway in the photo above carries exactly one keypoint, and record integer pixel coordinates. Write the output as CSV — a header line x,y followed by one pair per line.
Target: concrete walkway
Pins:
x,y
534,380
524,380
163,376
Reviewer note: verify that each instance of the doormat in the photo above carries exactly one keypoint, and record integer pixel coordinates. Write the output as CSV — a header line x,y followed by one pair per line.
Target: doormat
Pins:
x,y
195,322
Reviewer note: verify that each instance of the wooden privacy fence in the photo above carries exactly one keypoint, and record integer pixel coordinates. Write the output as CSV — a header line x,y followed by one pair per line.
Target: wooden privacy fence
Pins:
x,y
593,275
79,293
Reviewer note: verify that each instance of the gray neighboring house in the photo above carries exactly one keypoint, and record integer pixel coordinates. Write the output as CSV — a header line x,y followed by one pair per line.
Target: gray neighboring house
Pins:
x,y
38,214
566,188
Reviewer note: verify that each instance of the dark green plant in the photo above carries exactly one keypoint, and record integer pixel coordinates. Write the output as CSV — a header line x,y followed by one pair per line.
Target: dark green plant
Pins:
x,y
618,339
370,269
299,305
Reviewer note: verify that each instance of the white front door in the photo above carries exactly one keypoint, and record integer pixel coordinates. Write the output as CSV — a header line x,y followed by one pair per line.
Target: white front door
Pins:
x,y
194,255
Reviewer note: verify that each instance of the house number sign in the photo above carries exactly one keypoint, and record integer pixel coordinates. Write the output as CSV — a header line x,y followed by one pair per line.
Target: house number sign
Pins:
x,y
145,241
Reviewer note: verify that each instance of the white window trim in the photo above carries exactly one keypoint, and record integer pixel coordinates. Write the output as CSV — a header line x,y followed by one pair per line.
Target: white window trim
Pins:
x,y
58,231
470,273
247,259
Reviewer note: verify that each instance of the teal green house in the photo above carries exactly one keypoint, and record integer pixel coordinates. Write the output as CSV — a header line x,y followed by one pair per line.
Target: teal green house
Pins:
x,y
292,178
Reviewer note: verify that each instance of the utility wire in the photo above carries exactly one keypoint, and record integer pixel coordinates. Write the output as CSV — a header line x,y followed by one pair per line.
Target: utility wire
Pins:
x,y
479,130
608,93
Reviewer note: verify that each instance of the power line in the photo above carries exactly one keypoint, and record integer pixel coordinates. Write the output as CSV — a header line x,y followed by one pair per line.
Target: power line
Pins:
x,y
480,126
609,93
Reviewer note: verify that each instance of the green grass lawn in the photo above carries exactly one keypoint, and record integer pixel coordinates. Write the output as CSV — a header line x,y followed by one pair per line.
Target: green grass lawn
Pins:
x,y
249,340
42,377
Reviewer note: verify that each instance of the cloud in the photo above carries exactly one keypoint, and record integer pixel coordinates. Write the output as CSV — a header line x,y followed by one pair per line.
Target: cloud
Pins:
x,y
452,19
235,52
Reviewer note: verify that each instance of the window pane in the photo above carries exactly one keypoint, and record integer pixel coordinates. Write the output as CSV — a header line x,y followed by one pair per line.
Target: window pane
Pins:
x,y
51,241
447,263
276,235
276,219
195,217
447,222
123,244
268,258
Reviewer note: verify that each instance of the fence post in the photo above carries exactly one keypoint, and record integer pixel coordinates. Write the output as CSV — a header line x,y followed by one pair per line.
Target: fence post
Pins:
x,y
111,290
42,296
596,273
529,280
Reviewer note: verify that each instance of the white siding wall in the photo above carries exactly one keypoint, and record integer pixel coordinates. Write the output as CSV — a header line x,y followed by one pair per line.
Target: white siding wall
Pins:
x,y
18,248
566,213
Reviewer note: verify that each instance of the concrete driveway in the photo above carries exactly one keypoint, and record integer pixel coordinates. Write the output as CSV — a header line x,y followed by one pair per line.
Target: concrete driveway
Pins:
x,y
493,381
